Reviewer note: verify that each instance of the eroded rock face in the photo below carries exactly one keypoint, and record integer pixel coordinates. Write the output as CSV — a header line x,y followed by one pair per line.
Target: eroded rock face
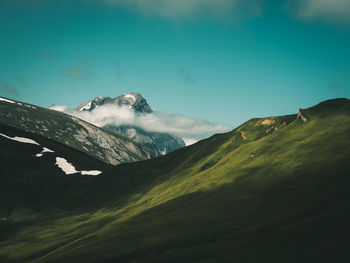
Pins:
x,y
300,116
267,122
244,137
160,143
73,132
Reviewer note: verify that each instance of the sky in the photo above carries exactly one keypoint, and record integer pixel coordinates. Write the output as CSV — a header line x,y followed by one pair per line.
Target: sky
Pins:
x,y
223,61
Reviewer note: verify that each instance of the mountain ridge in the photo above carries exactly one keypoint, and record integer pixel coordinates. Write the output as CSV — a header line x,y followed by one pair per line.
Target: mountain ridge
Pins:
x,y
72,131
212,201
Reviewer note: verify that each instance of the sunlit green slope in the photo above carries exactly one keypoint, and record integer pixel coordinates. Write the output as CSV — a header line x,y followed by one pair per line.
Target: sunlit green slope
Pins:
x,y
273,190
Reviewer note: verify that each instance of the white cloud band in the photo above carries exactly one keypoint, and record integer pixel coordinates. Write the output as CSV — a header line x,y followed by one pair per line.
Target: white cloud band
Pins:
x,y
189,128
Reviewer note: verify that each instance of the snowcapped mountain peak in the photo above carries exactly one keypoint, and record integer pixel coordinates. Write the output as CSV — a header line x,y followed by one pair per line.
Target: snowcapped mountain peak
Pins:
x,y
130,96
160,143
133,101
94,103
87,106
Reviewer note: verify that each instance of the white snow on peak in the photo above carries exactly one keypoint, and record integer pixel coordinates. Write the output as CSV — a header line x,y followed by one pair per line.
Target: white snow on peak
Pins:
x,y
65,166
20,139
6,100
86,107
163,152
130,96
92,172
45,150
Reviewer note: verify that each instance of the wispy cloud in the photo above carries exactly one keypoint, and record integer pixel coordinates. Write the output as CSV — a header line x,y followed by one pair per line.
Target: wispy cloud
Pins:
x,y
45,54
9,89
186,75
334,86
188,128
330,11
118,71
184,9
62,108
81,70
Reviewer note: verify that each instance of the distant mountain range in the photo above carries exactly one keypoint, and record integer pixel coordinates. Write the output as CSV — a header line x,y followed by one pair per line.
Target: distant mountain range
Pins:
x,y
160,143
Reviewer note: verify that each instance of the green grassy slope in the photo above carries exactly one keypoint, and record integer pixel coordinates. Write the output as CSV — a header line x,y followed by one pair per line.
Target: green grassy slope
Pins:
x,y
264,195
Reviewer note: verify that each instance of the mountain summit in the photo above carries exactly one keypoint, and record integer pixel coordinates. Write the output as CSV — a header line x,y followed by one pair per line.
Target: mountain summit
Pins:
x,y
160,143
134,101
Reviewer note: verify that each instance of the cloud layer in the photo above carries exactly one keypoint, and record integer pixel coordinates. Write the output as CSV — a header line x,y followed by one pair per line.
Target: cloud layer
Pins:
x,y
82,70
331,11
188,128
186,75
180,9
9,89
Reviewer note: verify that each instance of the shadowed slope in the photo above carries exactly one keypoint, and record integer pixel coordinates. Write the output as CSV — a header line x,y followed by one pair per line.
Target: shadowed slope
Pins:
x,y
106,146
269,196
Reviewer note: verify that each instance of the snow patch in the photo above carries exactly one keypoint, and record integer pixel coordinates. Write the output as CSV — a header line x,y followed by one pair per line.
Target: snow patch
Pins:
x,y
65,166
6,100
20,139
68,168
45,150
62,163
29,106
86,107
130,96
92,172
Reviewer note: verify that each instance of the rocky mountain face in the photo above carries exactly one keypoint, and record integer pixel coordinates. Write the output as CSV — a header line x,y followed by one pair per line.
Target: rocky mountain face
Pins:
x,y
160,143
134,101
71,131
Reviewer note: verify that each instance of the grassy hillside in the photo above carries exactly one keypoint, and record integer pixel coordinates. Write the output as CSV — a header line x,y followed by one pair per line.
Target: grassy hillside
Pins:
x,y
273,190
106,146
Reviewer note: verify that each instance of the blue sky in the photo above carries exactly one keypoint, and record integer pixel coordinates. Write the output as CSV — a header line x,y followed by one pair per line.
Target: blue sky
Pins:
x,y
224,61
